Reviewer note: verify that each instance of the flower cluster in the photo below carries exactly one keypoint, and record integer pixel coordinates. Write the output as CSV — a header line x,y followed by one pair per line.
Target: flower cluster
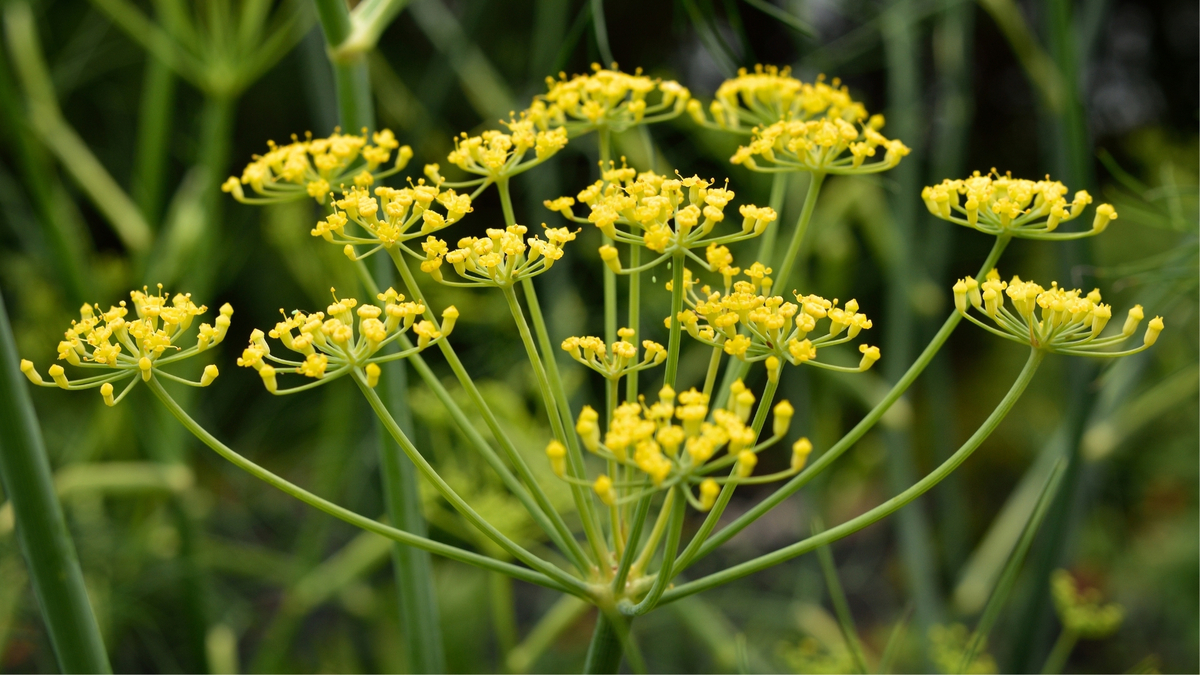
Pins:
x,y
617,360
1081,610
769,95
328,344
829,145
1022,208
500,259
606,99
388,219
662,214
749,323
315,166
123,348
1058,320
496,155
674,441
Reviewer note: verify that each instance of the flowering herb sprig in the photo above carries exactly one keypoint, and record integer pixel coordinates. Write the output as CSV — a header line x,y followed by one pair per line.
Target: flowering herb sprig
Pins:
x,y
747,322
824,145
1003,205
667,216
497,156
133,348
1055,319
606,99
314,166
390,219
616,360
770,94
331,347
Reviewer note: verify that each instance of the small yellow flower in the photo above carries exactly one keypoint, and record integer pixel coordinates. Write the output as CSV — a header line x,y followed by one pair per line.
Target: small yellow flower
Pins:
x,y
616,360
312,167
329,346
1055,319
499,260
497,155
1027,209
823,145
390,219
123,346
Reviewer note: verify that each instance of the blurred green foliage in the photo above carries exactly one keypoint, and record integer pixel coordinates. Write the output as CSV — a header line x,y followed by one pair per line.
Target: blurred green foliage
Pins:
x,y
193,566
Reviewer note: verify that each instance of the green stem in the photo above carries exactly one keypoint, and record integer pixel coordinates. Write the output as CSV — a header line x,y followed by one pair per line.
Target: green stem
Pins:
x,y
561,615
351,77
154,128
504,619
583,498
710,377
349,516
879,512
512,548
860,429
41,528
565,538
670,548
766,243
673,346
1061,651
604,651
841,607
604,140
635,309
784,273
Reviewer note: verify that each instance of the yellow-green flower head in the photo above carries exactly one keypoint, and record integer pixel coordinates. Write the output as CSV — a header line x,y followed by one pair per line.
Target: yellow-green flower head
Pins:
x,y
752,325
497,155
606,98
1081,610
678,439
1022,208
1055,319
769,95
662,214
948,645
824,145
616,360
123,347
500,259
390,218
315,166
327,345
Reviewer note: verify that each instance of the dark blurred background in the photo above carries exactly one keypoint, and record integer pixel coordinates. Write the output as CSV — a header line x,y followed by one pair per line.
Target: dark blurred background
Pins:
x,y
202,568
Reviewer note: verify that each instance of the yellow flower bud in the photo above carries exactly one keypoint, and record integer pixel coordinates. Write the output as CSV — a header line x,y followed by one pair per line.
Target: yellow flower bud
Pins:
x,y
869,356
1104,214
31,372
1132,321
557,453
746,460
609,255
604,489
210,374
372,371
449,317
60,377
800,451
772,369
783,418
106,391
708,493
1152,330
268,377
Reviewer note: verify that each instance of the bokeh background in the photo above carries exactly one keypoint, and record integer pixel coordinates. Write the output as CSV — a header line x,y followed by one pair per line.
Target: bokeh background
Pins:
x,y
195,567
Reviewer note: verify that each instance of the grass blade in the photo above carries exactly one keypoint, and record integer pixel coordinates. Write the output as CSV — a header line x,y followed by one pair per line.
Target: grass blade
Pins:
x,y
840,606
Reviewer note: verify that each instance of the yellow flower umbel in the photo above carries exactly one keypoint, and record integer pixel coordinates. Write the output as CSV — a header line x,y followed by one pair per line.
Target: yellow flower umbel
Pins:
x,y
1027,209
664,215
677,439
606,99
315,166
1055,319
136,348
500,259
390,218
330,346
824,145
749,323
496,155
616,360
770,94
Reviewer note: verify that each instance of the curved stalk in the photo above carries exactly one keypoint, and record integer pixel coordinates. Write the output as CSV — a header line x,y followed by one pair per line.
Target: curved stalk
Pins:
x,y
341,513
879,512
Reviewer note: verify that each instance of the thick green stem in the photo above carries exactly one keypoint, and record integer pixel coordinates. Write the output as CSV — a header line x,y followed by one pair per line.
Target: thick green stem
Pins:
x,y
859,429
635,310
879,512
351,77
673,343
604,651
341,513
670,548
41,528
1061,651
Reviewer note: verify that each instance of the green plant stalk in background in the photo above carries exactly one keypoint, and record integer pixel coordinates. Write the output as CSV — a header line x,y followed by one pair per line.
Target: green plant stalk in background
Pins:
x,y
414,569
41,528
